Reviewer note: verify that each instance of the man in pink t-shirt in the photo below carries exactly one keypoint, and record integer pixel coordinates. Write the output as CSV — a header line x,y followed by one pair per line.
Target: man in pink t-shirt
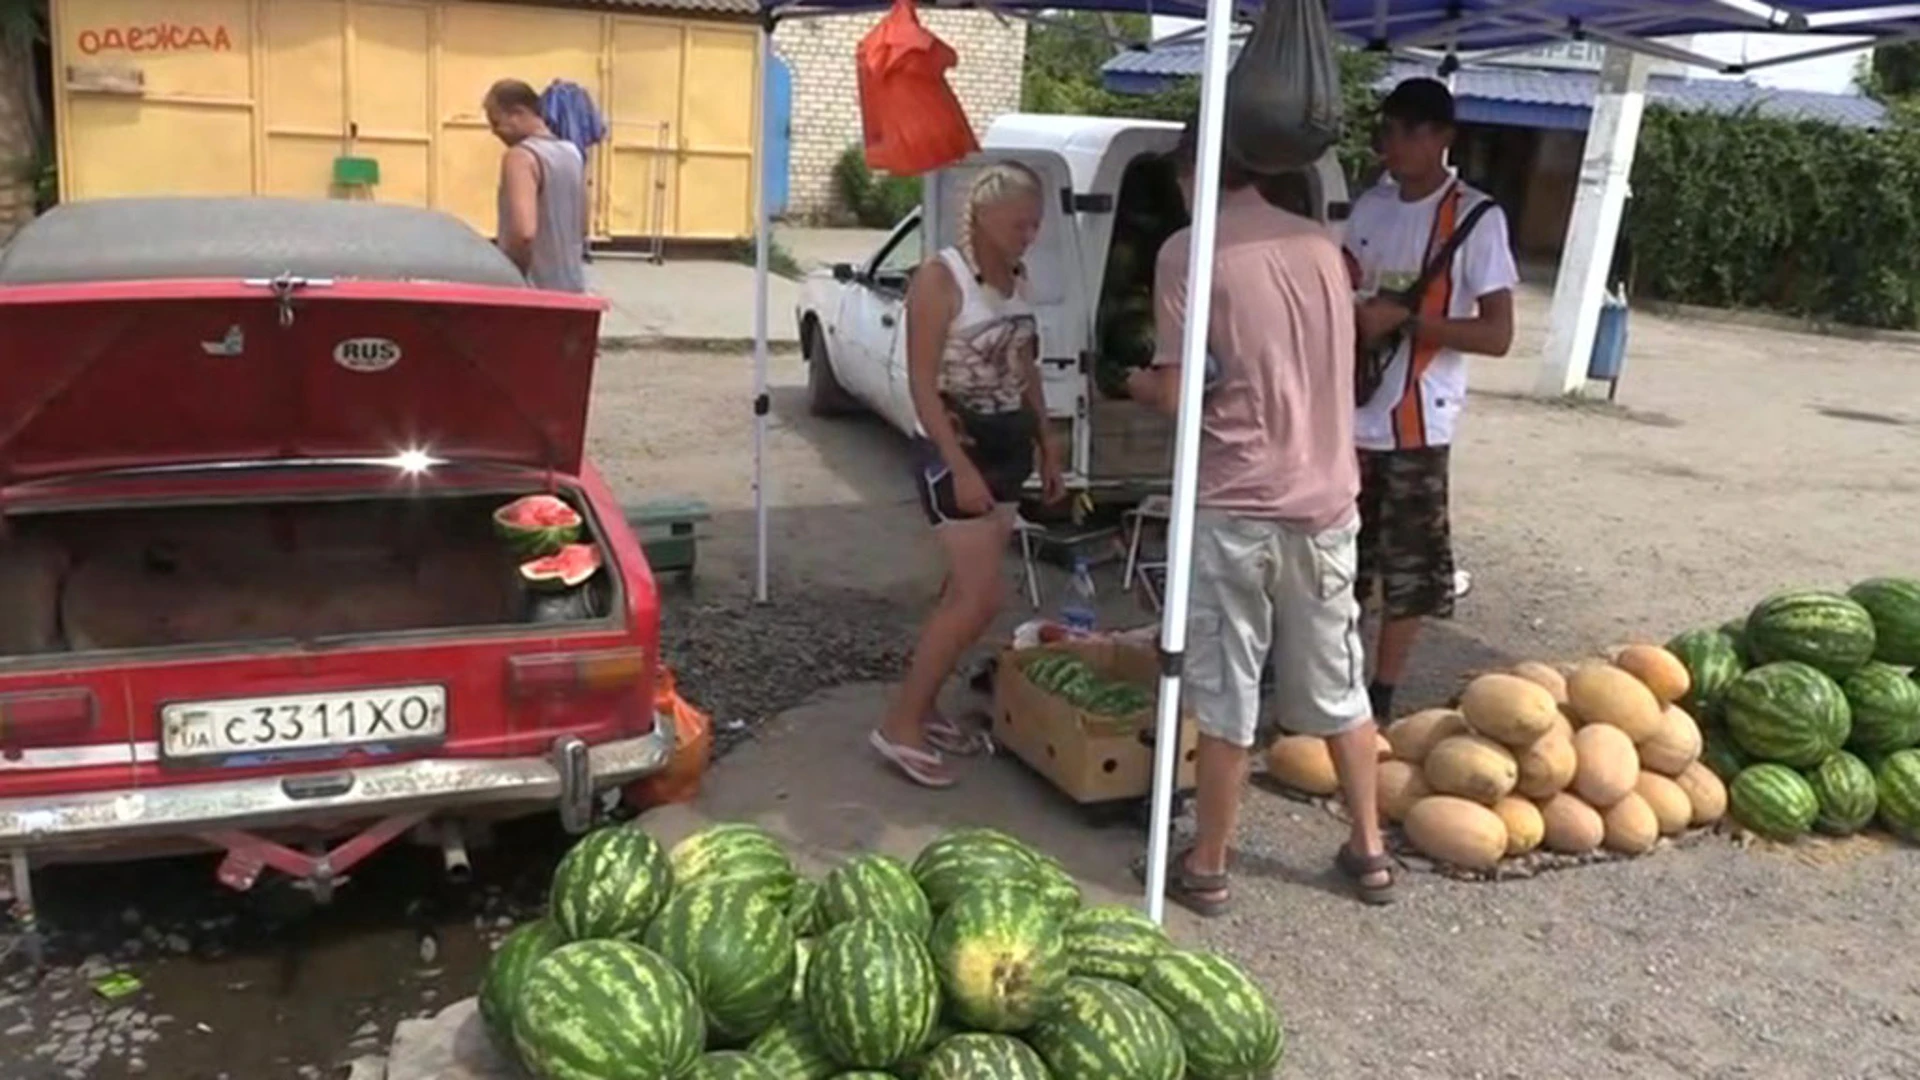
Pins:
x,y
1274,536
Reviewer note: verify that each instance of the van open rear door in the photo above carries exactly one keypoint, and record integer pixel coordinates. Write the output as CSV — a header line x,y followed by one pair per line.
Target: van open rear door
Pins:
x,y
1055,283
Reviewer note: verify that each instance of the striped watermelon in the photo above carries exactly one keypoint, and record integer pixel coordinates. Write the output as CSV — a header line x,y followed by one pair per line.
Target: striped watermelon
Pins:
x,y
606,1010
1845,789
610,885
871,994
1736,631
983,1057
1722,755
736,852
1823,629
1113,942
1229,1028
963,858
915,1065
875,886
1774,801
1886,709
506,969
803,909
1899,782
1057,886
1713,663
1788,712
793,1050
1104,1030
736,949
732,1065
1001,954
802,956
1894,604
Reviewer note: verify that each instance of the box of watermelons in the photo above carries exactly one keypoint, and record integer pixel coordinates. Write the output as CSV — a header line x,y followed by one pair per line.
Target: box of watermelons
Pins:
x,y
1081,714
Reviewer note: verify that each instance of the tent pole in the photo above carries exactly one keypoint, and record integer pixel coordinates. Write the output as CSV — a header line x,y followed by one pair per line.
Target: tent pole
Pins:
x,y
1186,461
1599,203
762,245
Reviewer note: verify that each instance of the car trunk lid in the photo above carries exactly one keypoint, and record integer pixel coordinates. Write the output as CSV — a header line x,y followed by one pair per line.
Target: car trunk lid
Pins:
x,y
138,375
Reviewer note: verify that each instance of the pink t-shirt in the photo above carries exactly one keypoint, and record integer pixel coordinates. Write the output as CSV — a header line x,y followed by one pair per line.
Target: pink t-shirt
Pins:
x,y
1277,428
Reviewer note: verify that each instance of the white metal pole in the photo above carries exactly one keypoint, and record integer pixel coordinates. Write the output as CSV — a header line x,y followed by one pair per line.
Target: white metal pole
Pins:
x,y
1186,458
1600,201
762,244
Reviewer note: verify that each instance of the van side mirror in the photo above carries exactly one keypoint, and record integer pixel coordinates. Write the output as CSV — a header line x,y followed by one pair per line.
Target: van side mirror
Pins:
x,y
843,272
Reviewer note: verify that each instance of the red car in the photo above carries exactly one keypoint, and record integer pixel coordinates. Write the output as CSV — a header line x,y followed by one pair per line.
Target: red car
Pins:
x,y
252,595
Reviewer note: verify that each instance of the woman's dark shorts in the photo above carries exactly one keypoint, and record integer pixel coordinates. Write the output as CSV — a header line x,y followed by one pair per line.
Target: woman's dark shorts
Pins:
x,y
1000,445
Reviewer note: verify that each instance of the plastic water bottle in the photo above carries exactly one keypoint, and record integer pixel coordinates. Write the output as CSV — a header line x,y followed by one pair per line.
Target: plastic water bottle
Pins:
x,y
1077,614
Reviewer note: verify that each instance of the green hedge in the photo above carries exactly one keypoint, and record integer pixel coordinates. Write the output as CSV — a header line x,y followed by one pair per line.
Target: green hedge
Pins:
x,y
1805,218
876,200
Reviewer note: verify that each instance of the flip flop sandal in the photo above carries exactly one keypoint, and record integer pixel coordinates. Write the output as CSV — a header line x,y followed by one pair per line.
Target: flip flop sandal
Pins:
x,y
1358,868
1206,895
921,767
950,738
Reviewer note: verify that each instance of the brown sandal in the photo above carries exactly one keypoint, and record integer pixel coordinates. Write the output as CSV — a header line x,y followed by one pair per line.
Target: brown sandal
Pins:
x,y
1358,868
1206,895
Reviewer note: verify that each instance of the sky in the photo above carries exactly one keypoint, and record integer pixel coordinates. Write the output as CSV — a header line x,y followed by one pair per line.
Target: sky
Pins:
x,y
1833,74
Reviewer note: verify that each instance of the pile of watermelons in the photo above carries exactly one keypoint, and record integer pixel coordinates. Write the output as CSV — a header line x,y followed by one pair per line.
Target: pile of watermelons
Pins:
x,y
1811,709
1074,681
1148,210
719,961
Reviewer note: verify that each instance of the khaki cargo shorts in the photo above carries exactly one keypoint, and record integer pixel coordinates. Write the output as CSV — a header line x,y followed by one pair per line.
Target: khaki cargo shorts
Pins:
x,y
1260,585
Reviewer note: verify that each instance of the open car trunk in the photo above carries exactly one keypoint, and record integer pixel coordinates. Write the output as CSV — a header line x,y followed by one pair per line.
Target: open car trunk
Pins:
x,y
152,578
1129,441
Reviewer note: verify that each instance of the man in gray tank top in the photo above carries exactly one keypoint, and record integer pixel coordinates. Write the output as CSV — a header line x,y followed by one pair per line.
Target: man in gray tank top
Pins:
x,y
543,192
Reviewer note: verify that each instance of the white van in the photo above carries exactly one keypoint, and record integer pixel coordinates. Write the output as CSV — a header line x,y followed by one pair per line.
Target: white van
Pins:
x,y
1117,201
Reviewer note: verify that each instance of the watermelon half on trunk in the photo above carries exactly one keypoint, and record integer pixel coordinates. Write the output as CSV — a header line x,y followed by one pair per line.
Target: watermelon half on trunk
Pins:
x,y
537,525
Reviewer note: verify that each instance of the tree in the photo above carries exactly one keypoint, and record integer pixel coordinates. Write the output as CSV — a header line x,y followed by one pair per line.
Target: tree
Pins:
x,y
1065,53
1893,71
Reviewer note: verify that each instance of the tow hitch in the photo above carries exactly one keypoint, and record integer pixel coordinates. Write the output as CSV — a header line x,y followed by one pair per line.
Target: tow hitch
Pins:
x,y
320,872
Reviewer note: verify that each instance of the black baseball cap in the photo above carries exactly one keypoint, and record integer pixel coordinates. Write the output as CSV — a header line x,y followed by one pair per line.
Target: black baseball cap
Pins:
x,y
1421,101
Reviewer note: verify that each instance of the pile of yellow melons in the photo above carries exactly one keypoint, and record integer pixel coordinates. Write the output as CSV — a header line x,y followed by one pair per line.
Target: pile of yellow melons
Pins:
x,y
1598,757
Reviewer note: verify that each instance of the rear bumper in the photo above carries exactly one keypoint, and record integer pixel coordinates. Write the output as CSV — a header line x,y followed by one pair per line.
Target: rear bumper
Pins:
x,y
566,779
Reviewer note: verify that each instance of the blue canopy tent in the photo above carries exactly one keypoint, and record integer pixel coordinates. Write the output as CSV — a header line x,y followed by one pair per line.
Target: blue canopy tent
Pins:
x,y
1460,27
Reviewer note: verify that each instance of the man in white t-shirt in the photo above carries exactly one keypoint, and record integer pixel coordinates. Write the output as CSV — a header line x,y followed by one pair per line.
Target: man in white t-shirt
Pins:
x,y
1404,429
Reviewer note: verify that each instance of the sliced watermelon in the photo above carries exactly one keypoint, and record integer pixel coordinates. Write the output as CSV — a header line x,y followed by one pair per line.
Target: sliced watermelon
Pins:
x,y
569,568
537,524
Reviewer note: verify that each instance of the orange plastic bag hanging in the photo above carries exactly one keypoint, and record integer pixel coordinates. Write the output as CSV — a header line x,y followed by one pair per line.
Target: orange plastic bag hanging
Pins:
x,y
679,782
912,120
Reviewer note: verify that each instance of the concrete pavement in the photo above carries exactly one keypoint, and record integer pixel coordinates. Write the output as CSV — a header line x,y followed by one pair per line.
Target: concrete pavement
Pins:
x,y
709,302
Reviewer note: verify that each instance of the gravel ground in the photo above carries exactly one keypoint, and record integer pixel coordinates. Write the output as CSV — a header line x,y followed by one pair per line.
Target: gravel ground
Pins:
x,y
1584,526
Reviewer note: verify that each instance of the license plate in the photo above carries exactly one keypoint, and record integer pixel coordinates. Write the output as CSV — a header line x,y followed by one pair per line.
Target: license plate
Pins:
x,y
244,727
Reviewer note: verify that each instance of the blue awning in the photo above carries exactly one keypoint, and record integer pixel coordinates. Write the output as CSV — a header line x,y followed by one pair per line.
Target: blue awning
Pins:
x,y
1524,97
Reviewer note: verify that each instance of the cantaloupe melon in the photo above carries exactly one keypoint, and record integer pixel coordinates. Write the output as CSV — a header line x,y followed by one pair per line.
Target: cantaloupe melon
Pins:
x,y
1571,826
1401,784
1675,746
1600,693
1563,724
1457,831
1607,765
1660,670
1508,709
1547,766
1303,763
1631,827
1525,826
1546,676
1382,749
1413,736
1671,807
1472,767
1706,792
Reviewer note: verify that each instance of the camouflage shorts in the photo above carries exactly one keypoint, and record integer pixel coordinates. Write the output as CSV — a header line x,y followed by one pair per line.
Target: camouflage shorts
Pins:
x,y
1406,543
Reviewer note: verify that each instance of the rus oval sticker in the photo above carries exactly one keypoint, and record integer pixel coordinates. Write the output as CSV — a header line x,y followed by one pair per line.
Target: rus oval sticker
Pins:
x,y
366,354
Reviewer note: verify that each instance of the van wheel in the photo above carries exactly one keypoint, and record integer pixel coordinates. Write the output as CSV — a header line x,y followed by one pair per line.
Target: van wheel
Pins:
x,y
825,397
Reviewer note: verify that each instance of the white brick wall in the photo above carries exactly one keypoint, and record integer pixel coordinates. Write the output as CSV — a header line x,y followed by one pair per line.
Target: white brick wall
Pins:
x,y
826,92
16,149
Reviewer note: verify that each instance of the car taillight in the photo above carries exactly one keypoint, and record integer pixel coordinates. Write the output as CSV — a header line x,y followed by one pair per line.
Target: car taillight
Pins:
x,y
550,674
46,718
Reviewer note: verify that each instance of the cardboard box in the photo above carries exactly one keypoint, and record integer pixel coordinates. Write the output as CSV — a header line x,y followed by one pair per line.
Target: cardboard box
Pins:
x,y
1089,757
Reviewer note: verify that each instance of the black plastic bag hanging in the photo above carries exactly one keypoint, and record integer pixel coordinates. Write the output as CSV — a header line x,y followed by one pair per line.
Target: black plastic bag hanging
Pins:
x,y
1283,94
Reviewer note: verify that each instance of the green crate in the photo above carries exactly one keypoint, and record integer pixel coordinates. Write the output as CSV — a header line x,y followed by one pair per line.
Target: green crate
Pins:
x,y
669,531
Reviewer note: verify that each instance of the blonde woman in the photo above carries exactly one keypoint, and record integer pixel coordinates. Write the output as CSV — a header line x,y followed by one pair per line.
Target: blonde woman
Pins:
x,y
972,364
